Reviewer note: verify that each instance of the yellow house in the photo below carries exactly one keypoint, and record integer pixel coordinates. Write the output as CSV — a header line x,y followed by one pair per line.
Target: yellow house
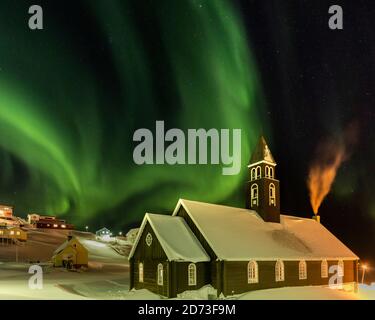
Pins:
x,y
12,234
70,254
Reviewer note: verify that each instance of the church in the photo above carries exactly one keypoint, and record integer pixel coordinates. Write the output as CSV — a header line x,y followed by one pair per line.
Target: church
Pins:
x,y
237,250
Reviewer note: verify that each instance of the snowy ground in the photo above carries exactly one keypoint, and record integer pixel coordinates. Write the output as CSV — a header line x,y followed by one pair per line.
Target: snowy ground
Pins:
x,y
106,278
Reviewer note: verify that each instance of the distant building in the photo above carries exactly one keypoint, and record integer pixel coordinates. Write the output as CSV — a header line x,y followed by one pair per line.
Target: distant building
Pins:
x,y
132,235
12,234
103,234
7,218
71,254
48,222
6,211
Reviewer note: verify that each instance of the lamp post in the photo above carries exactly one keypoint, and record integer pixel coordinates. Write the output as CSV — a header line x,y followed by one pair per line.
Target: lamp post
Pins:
x,y
364,268
87,228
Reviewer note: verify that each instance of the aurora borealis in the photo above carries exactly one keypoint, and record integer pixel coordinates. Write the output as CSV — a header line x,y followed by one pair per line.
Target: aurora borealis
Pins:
x,y
73,94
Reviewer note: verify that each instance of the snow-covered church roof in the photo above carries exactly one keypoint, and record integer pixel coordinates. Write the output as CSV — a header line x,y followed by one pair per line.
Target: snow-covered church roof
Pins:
x,y
238,234
177,240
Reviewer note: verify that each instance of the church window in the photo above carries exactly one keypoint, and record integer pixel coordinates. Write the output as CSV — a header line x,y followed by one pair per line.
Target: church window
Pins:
x,y
267,171
160,274
272,195
302,270
140,271
252,272
324,269
254,195
271,173
279,271
258,172
340,271
149,239
192,274
253,174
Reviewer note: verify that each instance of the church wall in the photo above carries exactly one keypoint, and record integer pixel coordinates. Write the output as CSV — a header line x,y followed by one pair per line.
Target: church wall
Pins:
x,y
235,275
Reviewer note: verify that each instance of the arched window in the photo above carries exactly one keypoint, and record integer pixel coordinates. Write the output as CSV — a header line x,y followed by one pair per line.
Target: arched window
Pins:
x,y
271,173
259,172
254,195
160,274
267,171
324,269
192,274
140,272
340,271
302,270
279,271
253,174
272,195
252,272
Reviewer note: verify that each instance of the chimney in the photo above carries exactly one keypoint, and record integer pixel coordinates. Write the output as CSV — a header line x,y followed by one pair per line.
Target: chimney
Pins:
x,y
316,218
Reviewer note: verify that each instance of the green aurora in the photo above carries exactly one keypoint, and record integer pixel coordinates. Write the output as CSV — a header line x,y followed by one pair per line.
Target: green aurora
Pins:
x,y
73,94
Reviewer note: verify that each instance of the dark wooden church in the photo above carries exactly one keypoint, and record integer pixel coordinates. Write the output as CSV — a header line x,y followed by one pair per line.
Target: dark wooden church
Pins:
x,y
238,250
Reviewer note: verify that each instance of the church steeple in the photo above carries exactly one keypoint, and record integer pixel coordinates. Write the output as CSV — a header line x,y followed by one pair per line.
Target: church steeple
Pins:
x,y
262,153
263,190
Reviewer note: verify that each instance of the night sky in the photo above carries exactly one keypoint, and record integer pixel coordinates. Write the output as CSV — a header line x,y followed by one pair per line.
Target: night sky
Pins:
x,y
72,95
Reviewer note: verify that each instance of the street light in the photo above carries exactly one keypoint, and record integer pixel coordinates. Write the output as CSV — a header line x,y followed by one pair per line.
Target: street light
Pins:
x,y
87,228
120,233
364,268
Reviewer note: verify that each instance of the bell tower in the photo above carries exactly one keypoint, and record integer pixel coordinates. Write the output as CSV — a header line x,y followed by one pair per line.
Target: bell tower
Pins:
x,y
262,189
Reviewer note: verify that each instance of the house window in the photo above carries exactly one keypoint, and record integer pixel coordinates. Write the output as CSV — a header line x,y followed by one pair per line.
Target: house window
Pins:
x,y
302,270
254,195
340,271
324,269
192,274
160,274
140,271
279,271
272,195
258,172
252,272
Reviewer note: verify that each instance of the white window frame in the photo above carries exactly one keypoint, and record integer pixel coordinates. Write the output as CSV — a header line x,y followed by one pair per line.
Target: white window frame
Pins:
x,y
271,172
140,272
252,272
272,195
148,239
254,195
160,274
258,172
340,268
253,174
302,270
324,269
192,274
279,271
